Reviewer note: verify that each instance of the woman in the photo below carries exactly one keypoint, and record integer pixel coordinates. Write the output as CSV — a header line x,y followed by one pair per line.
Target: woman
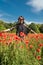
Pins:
x,y
20,27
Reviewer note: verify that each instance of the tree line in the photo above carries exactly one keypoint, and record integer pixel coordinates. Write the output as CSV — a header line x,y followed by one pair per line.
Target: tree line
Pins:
x,y
38,28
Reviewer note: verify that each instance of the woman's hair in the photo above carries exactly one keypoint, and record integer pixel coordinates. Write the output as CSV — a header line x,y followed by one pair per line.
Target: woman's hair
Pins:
x,y
20,22
20,18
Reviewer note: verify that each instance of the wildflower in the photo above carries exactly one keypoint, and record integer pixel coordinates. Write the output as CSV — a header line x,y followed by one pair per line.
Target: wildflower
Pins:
x,y
37,36
31,46
38,50
0,40
22,34
0,34
26,41
4,36
16,37
38,57
21,46
40,45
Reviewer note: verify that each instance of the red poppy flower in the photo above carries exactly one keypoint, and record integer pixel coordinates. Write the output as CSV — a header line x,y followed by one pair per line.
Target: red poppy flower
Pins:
x,y
38,57
16,37
26,41
37,36
0,34
22,34
31,46
0,40
40,45
38,50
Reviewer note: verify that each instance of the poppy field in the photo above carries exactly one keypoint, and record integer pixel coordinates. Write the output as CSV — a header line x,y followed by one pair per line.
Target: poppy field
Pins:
x,y
25,50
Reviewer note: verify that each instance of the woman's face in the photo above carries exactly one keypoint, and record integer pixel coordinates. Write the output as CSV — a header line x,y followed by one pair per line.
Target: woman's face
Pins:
x,y
21,21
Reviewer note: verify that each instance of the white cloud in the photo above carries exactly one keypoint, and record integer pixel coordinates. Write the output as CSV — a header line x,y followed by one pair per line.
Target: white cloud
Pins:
x,y
36,4
36,22
2,14
6,17
28,22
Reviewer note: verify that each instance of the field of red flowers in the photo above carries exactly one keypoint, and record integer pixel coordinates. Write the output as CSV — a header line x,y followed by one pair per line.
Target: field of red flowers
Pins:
x,y
20,51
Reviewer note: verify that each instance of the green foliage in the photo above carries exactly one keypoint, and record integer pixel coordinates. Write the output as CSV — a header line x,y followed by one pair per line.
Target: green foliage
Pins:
x,y
2,27
41,28
42,56
15,55
20,52
7,25
34,27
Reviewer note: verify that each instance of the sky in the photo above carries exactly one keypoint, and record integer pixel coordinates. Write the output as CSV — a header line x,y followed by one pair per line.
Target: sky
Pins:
x,y
31,10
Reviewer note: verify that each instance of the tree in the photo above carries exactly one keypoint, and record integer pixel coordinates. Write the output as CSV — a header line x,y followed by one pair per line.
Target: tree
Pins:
x,y
34,27
41,28
2,27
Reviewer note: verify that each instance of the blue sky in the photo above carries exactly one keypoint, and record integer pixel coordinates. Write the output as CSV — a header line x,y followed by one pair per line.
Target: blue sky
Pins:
x,y
31,10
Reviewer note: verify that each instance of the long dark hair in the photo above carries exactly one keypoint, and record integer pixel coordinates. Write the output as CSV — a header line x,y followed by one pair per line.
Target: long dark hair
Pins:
x,y
22,18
